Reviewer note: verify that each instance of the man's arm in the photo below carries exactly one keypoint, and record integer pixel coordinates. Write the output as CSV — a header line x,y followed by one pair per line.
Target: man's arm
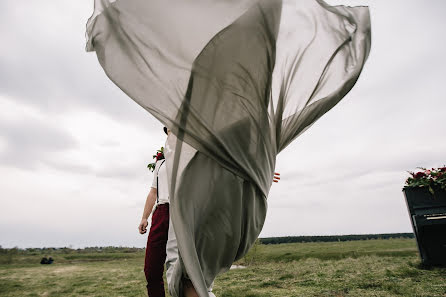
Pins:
x,y
150,201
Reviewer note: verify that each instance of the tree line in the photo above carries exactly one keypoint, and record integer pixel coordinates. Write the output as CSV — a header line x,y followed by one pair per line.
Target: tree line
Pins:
x,y
266,240
332,238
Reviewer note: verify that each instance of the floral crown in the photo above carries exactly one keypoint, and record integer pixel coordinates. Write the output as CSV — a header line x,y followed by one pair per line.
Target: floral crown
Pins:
x,y
158,156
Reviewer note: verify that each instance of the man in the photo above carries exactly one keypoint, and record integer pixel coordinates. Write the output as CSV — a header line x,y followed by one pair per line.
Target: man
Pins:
x,y
157,239
158,235
162,236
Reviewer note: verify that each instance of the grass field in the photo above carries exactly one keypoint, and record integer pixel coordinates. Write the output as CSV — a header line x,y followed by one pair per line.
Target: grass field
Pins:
x,y
353,268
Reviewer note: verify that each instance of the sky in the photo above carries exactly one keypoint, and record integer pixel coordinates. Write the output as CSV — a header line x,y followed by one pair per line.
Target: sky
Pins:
x,y
74,148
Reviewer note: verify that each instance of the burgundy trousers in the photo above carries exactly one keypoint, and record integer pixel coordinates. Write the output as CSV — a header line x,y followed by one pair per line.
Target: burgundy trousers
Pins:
x,y
156,251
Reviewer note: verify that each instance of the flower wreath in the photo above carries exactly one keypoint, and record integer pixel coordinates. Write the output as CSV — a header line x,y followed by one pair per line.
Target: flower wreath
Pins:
x,y
158,156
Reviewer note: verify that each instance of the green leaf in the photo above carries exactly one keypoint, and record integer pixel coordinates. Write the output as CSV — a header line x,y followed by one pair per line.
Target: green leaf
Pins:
x,y
431,191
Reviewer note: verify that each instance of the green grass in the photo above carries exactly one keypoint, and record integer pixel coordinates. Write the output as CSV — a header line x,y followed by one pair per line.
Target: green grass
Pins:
x,y
332,250
355,268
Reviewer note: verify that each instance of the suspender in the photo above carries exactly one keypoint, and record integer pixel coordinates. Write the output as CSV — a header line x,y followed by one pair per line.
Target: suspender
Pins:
x,y
157,189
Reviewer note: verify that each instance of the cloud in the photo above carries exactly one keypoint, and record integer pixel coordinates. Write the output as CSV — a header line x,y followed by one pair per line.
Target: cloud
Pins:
x,y
75,142
30,141
50,70
79,142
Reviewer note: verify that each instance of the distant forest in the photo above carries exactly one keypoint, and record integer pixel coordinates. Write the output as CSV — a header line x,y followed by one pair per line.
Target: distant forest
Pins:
x,y
331,238
268,240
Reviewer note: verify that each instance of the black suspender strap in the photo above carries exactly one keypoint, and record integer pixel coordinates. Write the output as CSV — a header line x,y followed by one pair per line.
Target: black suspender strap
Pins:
x,y
157,189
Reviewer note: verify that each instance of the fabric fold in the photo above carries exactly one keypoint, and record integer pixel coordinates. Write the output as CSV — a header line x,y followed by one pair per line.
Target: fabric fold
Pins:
x,y
236,82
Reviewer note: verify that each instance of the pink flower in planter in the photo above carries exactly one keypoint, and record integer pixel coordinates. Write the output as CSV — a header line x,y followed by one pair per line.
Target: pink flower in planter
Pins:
x,y
427,171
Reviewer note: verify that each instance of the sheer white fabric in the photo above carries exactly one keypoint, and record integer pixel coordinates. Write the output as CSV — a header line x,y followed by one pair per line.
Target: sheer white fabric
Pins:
x,y
236,82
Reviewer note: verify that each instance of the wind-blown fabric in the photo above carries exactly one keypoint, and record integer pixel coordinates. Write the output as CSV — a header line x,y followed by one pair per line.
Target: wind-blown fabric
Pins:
x,y
236,82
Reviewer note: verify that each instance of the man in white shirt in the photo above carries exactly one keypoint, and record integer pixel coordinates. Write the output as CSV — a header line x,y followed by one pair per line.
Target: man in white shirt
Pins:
x,y
157,239
162,236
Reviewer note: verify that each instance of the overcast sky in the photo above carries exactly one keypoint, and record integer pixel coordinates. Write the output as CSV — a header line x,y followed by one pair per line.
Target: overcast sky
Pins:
x,y
74,148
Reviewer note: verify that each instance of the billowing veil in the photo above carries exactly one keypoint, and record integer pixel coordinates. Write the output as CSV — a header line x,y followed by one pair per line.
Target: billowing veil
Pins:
x,y
236,82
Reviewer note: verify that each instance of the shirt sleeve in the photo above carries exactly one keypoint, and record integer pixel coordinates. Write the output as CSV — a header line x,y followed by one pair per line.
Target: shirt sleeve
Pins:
x,y
155,173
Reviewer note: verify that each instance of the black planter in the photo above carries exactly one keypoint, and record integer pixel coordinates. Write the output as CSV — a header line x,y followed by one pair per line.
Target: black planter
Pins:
x,y
428,217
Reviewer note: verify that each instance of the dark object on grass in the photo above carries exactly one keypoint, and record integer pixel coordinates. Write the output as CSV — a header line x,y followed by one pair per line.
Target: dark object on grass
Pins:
x,y
427,213
46,261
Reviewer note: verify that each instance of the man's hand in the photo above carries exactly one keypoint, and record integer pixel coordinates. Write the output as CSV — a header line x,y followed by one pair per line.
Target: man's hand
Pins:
x,y
276,177
143,226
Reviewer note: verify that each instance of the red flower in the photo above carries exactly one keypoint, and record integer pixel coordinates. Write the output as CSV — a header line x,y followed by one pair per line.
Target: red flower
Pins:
x,y
159,156
419,175
442,169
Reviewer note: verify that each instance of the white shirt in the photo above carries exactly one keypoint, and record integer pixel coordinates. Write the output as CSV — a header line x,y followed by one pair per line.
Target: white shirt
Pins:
x,y
162,189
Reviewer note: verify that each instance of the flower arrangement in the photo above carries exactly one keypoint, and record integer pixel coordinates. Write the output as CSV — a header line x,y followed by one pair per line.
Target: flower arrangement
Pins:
x,y
158,156
434,178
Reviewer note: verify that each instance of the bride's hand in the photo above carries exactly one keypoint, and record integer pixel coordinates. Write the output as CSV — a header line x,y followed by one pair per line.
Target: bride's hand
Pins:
x,y
143,226
276,177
